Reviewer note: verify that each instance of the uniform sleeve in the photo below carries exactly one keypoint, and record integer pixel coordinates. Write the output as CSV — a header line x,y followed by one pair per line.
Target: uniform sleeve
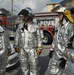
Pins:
x,y
39,37
54,43
69,54
16,41
69,31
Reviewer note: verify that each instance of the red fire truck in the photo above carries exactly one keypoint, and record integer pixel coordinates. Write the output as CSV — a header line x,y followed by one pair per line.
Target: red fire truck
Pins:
x,y
47,22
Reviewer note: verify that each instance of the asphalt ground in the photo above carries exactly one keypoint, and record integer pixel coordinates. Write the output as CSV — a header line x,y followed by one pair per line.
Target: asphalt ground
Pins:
x,y
43,63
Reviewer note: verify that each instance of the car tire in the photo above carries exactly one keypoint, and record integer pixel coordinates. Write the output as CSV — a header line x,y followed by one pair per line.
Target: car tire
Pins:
x,y
47,39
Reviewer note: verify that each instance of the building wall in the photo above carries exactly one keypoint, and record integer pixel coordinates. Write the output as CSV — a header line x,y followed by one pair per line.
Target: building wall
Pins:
x,y
54,5
51,6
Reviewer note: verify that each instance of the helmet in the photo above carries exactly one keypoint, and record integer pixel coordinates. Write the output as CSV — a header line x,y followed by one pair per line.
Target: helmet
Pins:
x,y
1,16
23,12
2,13
62,9
26,12
30,11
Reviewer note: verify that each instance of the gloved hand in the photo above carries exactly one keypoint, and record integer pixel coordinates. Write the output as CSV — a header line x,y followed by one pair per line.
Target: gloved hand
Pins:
x,y
9,52
38,52
51,54
17,50
62,63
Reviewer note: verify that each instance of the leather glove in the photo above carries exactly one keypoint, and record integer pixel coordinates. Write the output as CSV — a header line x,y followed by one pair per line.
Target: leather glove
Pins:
x,y
38,52
62,63
17,50
9,53
51,54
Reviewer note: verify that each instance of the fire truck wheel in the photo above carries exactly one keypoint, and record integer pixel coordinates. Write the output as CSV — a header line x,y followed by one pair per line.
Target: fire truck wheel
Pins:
x,y
47,39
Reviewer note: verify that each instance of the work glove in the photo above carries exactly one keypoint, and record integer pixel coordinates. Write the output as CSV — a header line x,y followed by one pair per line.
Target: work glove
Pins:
x,y
17,50
38,52
62,63
9,52
51,53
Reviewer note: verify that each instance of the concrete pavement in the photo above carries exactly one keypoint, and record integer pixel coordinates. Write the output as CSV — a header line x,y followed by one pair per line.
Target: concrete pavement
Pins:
x,y
43,63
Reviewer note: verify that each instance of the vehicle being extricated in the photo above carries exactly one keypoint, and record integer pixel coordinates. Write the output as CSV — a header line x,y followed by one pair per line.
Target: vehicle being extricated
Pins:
x,y
13,59
47,22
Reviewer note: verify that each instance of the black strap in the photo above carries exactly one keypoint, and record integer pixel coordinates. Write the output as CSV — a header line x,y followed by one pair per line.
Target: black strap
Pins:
x,y
70,42
24,26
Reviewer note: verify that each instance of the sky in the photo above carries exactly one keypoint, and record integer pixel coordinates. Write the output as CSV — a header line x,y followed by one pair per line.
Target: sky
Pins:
x,y
55,0
36,5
